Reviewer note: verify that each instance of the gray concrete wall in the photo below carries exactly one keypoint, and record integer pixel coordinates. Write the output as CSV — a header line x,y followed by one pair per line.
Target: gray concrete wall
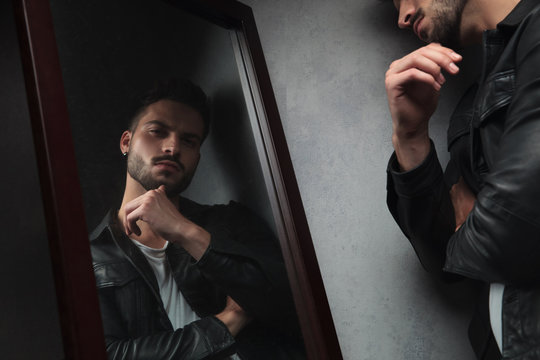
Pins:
x,y
327,61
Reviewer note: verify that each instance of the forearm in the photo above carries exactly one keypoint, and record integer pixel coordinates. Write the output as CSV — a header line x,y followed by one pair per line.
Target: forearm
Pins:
x,y
193,238
202,339
420,203
261,289
496,244
245,261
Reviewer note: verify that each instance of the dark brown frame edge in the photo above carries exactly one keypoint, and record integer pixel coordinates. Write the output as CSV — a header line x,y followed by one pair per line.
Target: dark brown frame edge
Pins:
x,y
300,259
80,317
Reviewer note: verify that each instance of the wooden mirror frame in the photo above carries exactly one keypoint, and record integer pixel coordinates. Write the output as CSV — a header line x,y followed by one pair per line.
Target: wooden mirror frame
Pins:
x,y
76,292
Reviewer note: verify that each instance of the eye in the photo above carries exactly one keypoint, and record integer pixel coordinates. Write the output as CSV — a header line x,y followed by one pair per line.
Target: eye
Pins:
x,y
156,131
190,142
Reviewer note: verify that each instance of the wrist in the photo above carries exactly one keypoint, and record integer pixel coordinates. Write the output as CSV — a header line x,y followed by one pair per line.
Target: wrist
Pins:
x,y
411,148
193,238
234,320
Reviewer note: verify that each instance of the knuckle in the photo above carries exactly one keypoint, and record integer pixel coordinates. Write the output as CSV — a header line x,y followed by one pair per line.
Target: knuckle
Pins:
x,y
419,56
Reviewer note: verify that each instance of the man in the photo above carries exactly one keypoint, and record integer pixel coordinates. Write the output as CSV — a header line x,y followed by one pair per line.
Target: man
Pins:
x,y
179,280
481,219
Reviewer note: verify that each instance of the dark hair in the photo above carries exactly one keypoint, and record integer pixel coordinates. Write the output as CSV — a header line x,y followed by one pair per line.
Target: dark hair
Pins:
x,y
179,90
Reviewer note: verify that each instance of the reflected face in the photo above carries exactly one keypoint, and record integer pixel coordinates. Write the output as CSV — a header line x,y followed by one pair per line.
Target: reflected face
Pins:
x,y
432,20
164,149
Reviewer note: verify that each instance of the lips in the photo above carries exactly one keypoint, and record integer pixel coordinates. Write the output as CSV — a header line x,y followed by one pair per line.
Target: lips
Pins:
x,y
168,165
416,26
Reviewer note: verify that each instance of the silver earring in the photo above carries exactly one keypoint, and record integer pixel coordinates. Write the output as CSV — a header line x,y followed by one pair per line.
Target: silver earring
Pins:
x,y
125,153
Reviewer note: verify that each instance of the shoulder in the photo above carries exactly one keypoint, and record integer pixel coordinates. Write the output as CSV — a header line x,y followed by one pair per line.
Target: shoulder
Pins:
x,y
110,264
231,211
528,35
102,245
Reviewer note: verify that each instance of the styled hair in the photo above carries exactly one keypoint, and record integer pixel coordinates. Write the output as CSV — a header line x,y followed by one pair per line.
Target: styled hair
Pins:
x,y
179,90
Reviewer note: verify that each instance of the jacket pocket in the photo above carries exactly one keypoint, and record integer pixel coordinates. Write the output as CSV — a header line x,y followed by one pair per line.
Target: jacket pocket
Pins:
x,y
496,93
114,274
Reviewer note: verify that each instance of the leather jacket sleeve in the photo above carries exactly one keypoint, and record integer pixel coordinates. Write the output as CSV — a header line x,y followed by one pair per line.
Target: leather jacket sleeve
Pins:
x,y
244,260
206,338
500,240
420,203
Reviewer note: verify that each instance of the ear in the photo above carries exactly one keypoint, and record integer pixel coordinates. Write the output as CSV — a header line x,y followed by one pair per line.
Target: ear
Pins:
x,y
125,140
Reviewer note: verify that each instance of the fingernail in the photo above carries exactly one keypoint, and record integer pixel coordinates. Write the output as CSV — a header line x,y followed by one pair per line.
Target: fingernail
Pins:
x,y
441,79
455,56
453,67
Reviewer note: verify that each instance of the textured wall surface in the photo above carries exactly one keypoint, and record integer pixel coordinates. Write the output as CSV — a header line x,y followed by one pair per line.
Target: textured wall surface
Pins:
x,y
327,61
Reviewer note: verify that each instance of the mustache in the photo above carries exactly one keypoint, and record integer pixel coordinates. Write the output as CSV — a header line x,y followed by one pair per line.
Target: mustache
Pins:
x,y
168,158
418,14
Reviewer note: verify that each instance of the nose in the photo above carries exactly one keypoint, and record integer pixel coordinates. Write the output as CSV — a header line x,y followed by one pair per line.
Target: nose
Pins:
x,y
406,12
170,145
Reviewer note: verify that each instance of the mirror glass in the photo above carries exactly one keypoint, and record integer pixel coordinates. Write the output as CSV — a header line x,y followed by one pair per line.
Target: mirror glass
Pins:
x,y
112,51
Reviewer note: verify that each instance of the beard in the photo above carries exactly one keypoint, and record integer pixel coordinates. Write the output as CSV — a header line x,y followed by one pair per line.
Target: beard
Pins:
x,y
141,173
446,20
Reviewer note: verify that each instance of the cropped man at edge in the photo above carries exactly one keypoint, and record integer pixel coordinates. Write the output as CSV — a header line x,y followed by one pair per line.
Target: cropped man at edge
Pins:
x,y
180,280
479,219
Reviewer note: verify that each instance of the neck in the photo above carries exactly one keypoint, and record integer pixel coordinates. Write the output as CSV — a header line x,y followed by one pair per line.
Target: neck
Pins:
x,y
132,191
481,15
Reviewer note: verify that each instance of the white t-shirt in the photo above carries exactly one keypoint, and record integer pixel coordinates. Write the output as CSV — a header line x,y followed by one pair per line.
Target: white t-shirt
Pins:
x,y
496,292
176,306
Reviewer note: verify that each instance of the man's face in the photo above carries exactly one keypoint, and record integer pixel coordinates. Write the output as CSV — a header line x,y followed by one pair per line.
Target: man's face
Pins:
x,y
432,20
165,146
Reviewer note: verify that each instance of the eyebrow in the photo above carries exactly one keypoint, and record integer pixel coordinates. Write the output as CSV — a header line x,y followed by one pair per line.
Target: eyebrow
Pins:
x,y
167,127
157,122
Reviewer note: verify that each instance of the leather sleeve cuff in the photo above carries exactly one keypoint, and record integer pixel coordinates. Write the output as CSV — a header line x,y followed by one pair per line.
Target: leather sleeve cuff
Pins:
x,y
218,336
419,180
215,250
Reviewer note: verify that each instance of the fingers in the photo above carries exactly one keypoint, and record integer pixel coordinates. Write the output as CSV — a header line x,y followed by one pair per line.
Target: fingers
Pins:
x,y
131,216
136,208
415,75
232,305
430,59
131,222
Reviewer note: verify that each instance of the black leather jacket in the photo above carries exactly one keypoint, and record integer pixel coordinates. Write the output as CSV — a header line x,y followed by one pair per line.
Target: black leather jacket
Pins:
x,y
494,143
243,261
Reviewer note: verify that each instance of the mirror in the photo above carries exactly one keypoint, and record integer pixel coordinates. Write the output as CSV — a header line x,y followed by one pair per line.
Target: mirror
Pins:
x,y
81,78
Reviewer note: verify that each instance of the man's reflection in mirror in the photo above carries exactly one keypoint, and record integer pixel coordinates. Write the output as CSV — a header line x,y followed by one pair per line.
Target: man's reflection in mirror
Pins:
x,y
180,280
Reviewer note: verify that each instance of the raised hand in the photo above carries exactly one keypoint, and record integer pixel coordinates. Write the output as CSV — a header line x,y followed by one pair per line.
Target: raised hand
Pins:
x,y
156,210
165,221
412,86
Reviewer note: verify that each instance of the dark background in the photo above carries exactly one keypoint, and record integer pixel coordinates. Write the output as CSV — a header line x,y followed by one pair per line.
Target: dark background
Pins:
x,y
29,327
112,51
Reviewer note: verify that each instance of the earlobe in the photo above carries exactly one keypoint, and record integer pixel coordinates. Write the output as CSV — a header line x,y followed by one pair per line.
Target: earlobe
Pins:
x,y
125,141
